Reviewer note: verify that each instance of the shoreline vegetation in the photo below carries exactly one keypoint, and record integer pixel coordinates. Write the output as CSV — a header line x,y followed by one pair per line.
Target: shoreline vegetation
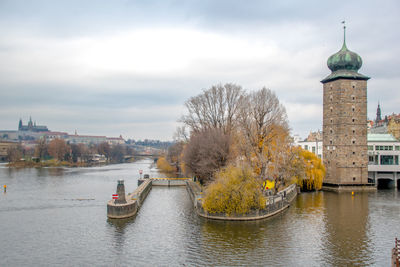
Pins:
x,y
57,163
58,153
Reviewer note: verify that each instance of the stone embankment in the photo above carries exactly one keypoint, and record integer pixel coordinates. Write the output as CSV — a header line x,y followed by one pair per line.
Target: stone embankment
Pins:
x,y
275,204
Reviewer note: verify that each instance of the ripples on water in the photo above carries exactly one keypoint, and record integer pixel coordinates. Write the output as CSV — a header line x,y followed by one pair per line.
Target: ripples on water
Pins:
x,y
58,217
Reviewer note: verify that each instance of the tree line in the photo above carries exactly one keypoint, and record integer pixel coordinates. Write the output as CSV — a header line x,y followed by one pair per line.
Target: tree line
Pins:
x,y
59,150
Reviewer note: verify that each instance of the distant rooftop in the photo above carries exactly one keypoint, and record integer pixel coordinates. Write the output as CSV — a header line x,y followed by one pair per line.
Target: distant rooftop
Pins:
x,y
374,137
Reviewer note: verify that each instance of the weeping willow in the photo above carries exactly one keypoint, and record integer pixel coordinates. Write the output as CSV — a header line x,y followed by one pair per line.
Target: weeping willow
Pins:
x,y
314,171
234,191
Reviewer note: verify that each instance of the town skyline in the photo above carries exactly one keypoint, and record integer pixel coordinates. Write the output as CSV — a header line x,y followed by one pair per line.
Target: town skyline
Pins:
x,y
127,68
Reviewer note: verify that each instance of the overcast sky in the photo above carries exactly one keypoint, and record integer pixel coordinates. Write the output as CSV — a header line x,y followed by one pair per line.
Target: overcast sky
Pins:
x,y
127,67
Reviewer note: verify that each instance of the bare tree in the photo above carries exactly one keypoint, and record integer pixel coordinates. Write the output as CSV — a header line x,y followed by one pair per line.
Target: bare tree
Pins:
x,y
104,149
117,153
262,118
180,134
174,152
206,153
41,148
215,108
15,153
58,149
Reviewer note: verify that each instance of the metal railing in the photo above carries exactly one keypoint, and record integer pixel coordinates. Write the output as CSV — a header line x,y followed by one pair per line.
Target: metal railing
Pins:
x,y
274,203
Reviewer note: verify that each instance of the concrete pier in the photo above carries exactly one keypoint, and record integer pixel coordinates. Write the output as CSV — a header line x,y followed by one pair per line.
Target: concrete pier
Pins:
x,y
127,206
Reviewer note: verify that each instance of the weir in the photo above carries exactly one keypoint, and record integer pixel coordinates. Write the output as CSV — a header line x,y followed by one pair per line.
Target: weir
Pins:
x,y
125,206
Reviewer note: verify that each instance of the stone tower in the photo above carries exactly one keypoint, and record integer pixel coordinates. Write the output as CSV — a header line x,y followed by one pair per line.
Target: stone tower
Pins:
x,y
345,123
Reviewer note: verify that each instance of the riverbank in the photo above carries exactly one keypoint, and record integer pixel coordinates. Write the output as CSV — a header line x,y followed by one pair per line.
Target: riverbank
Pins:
x,y
33,164
274,204
56,163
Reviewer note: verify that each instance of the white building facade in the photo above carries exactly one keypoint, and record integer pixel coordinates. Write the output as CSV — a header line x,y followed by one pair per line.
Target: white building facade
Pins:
x,y
383,158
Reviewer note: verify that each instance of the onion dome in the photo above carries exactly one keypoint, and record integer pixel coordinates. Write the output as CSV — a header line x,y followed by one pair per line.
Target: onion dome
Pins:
x,y
344,64
344,60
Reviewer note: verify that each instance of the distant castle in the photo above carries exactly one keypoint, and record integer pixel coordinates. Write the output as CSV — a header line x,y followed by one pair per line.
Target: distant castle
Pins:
x,y
32,127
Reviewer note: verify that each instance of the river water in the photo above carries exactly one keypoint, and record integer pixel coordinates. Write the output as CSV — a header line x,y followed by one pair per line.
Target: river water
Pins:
x,y
55,216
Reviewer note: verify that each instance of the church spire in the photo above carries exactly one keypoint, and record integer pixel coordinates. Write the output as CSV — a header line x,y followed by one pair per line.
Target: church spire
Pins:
x,y
378,113
20,125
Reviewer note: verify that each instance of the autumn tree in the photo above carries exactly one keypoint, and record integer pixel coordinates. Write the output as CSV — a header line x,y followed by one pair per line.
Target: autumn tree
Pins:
x,y
58,149
207,151
165,166
313,171
235,191
262,119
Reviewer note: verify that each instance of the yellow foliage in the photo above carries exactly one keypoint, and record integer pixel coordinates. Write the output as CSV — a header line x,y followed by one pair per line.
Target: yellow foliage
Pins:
x,y
314,171
235,191
164,166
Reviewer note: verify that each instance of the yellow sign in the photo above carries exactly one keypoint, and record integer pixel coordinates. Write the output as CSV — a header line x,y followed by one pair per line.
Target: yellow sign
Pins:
x,y
268,184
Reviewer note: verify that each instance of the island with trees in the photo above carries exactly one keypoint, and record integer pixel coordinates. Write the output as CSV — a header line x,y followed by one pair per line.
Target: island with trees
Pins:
x,y
237,146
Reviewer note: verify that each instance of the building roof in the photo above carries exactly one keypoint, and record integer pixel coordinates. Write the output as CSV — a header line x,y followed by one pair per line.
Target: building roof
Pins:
x,y
381,138
344,64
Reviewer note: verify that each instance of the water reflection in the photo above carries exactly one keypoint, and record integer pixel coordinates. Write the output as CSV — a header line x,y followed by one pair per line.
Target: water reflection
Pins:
x,y
120,224
42,172
346,225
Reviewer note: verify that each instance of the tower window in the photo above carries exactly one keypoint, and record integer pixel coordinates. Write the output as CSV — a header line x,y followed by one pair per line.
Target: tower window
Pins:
x,y
354,131
354,163
353,97
330,142
331,121
354,141
354,152
353,120
354,178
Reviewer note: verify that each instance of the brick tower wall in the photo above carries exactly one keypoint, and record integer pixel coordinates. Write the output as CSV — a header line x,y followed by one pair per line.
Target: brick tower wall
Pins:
x,y
345,132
